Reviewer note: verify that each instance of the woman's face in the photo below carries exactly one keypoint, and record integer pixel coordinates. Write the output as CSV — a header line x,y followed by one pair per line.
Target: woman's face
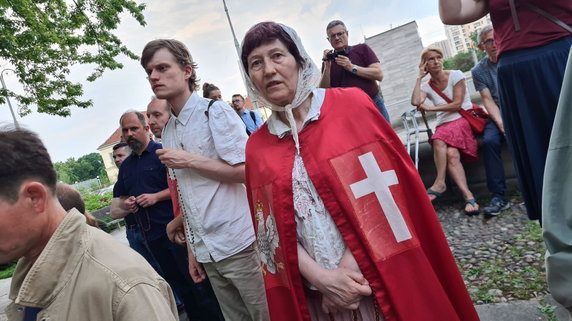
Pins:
x,y
215,94
434,61
274,72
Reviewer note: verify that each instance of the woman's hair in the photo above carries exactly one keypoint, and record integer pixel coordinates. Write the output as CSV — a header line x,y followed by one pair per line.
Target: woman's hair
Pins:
x,y
427,50
265,32
208,88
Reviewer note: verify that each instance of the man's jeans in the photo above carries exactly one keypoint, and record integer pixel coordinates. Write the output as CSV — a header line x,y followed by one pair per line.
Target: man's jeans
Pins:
x,y
492,142
378,100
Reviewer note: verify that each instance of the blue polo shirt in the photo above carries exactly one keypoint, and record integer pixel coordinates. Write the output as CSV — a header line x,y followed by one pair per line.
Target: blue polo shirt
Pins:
x,y
251,125
485,76
140,175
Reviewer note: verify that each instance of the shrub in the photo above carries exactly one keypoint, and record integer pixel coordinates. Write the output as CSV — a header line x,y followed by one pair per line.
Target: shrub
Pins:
x,y
94,202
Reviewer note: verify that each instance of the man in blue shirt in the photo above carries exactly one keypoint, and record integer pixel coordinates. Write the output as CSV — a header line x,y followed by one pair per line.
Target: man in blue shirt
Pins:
x,y
142,191
250,118
485,80
134,235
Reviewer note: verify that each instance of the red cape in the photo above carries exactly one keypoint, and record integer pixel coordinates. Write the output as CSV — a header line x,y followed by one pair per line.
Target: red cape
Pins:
x,y
386,219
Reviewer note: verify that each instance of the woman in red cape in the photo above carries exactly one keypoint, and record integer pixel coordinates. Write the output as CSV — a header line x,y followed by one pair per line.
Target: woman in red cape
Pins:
x,y
344,226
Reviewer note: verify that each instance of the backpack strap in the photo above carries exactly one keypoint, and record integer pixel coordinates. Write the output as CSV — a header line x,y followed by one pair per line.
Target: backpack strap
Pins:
x,y
209,107
253,117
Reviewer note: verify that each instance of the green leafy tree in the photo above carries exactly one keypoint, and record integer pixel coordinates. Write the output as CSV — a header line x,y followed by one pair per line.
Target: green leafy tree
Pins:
x,y
86,167
43,39
464,60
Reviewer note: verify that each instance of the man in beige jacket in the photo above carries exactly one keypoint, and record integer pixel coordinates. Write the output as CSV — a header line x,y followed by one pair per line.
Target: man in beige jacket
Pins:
x,y
67,270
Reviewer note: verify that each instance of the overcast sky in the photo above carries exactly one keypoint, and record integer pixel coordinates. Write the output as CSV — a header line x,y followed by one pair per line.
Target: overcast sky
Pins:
x,y
203,27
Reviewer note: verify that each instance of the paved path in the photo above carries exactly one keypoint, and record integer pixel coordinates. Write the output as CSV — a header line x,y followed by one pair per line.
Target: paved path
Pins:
x,y
4,289
513,311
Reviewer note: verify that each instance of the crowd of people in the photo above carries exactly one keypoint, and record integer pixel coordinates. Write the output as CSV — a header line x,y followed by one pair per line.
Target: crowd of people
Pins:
x,y
316,227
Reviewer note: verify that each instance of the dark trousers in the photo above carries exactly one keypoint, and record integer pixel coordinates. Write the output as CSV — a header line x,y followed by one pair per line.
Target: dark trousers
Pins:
x,y
137,242
200,300
492,142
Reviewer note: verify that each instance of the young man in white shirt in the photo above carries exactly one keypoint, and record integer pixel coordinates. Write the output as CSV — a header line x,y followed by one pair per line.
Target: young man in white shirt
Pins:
x,y
204,143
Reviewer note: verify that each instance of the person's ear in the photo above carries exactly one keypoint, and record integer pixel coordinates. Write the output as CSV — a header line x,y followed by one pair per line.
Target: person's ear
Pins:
x,y
481,47
188,71
36,195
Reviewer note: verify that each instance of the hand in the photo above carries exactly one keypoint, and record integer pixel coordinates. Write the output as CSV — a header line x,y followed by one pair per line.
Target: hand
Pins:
x,y
146,200
174,158
423,70
130,204
176,232
343,288
326,52
196,269
328,306
424,107
344,62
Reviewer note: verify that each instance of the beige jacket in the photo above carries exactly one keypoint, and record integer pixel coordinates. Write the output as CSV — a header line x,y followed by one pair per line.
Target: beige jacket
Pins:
x,y
85,274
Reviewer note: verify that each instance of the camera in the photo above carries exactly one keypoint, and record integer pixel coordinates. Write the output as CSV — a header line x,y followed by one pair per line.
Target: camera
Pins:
x,y
334,53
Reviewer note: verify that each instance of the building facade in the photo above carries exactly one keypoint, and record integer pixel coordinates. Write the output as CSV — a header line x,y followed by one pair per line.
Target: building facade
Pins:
x,y
445,47
398,50
459,37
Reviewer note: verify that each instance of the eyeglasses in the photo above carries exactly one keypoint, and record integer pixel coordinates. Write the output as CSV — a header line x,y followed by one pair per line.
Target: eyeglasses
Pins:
x,y
488,42
336,35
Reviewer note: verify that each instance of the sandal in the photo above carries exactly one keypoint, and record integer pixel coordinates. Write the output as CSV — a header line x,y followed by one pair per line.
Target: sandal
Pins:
x,y
471,202
434,193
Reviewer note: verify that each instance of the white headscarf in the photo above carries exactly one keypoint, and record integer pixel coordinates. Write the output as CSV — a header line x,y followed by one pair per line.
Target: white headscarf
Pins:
x,y
308,77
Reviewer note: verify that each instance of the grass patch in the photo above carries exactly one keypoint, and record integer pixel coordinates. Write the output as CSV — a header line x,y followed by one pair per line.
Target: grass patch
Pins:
x,y
7,271
520,276
547,310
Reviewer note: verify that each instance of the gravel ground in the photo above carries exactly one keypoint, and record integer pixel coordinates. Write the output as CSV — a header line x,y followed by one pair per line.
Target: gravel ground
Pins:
x,y
501,258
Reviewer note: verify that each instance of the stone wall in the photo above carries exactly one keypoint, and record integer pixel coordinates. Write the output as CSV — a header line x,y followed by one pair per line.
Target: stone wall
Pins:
x,y
398,51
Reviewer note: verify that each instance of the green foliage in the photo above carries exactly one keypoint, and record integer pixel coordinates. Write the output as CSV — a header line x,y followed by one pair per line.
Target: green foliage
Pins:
x,y
462,61
86,167
547,310
43,39
7,270
94,202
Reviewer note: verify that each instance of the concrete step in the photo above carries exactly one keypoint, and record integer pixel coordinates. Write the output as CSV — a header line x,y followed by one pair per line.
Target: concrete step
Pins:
x,y
475,172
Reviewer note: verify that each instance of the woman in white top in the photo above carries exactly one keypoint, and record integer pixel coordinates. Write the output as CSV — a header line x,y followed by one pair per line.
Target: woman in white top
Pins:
x,y
453,140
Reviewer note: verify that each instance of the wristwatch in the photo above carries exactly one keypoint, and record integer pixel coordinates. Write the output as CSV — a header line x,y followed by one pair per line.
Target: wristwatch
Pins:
x,y
354,69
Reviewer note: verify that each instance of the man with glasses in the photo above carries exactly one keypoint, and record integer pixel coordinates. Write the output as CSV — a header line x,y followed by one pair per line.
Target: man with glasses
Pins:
x,y
250,118
485,81
351,66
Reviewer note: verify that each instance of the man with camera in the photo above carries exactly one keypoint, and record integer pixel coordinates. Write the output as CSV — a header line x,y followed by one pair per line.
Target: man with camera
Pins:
x,y
351,66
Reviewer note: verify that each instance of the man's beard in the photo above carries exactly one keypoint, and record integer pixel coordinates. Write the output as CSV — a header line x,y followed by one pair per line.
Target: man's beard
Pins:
x,y
134,144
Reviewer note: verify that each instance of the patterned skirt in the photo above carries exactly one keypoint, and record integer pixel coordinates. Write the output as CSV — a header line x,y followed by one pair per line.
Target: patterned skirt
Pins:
x,y
368,310
458,134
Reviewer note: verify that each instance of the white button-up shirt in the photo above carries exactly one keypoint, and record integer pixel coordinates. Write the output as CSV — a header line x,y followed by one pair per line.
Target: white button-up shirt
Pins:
x,y
217,212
